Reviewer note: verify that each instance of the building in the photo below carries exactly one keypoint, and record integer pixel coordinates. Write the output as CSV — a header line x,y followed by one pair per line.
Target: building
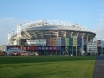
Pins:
x,y
51,37
92,48
100,45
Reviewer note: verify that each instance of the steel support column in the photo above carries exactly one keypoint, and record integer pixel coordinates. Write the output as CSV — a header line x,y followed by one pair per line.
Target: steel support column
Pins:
x,y
82,49
19,34
72,45
76,45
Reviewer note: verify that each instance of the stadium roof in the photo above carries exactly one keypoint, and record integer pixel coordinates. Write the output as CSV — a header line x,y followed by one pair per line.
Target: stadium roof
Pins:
x,y
52,25
50,28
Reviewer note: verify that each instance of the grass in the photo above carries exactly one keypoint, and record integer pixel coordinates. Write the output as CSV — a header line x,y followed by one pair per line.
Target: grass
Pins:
x,y
46,67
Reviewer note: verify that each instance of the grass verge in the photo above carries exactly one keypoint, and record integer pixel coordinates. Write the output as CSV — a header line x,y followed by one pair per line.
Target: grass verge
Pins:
x,y
47,67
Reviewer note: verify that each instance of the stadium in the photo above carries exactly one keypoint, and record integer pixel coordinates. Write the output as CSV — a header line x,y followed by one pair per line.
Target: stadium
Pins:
x,y
51,37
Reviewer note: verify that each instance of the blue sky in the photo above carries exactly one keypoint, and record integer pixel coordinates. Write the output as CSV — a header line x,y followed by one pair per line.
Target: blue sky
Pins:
x,y
88,13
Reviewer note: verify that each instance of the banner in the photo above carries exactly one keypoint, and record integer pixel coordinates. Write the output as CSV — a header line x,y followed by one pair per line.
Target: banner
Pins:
x,y
62,41
58,41
79,41
54,42
58,44
71,41
74,41
49,42
66,41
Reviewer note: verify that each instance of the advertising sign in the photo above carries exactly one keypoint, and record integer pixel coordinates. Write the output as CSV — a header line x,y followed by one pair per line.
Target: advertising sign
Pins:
x,y
24,48
28,48
43,48
37,42
36,48
58,48
32,47
39,48
46,48
50,48
54,48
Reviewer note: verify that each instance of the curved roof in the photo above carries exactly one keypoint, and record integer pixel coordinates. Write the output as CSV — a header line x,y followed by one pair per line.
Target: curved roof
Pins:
x,y
41,27
52,25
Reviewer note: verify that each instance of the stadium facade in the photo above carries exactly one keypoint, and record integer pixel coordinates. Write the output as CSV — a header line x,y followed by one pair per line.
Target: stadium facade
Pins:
x,y
51,37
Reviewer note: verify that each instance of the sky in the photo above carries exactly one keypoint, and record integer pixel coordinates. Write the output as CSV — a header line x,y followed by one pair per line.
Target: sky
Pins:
x,y
88,13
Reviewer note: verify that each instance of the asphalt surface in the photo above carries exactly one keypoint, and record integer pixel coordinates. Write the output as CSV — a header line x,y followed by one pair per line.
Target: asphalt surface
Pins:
x,y
99,67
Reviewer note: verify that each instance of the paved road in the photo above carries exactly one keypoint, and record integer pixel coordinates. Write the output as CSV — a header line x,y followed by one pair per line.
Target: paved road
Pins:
x,y
99,67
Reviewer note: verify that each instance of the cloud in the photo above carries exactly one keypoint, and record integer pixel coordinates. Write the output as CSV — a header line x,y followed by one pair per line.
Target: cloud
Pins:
x,y
100,26
8,25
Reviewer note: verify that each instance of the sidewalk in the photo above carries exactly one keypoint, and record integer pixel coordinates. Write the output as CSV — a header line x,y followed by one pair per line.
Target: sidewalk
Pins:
x,y
99,67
